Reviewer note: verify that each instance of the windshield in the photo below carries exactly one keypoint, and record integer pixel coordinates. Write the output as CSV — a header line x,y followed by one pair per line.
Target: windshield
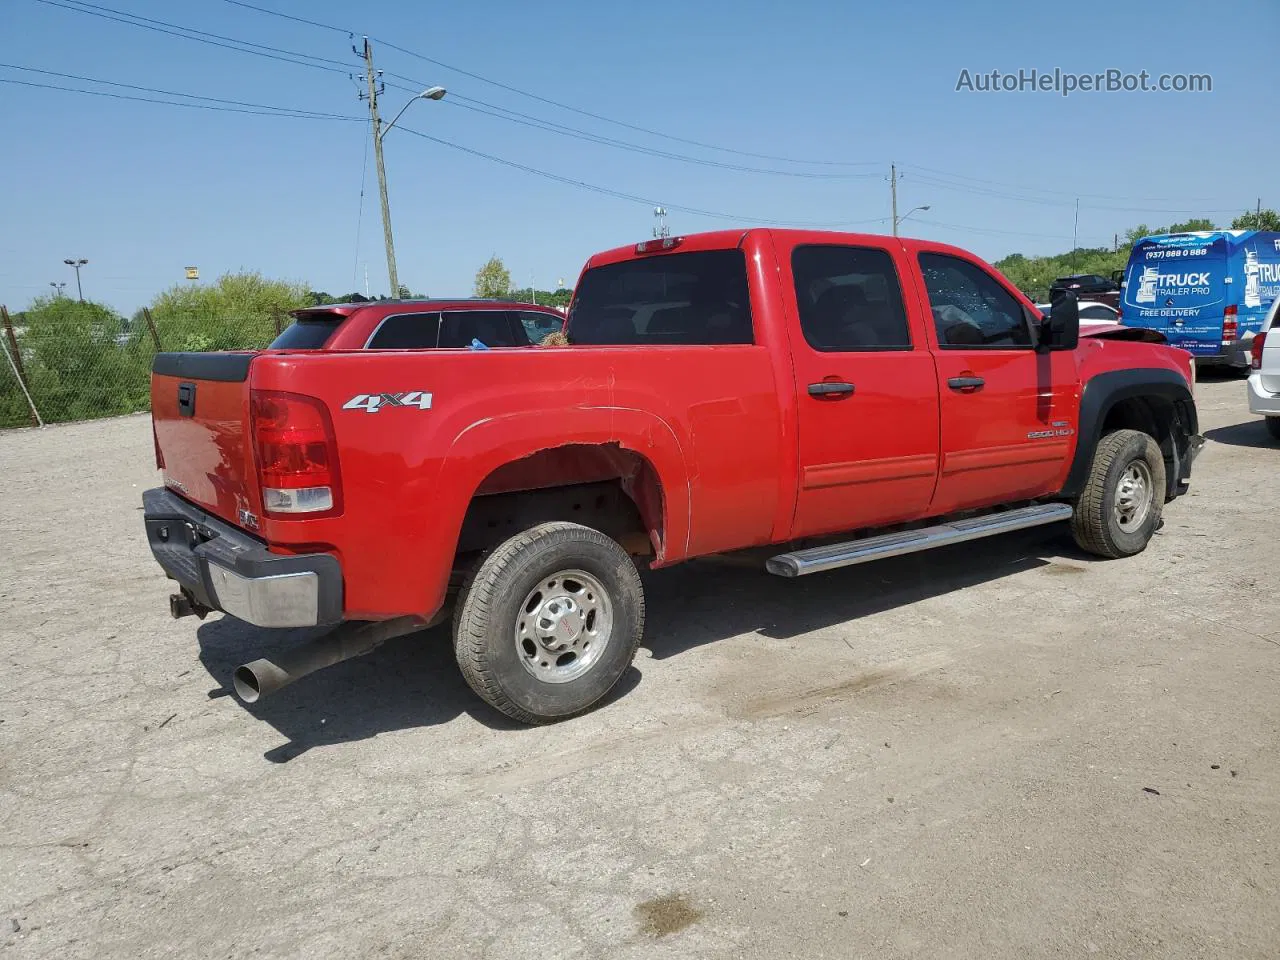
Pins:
x,y
308,332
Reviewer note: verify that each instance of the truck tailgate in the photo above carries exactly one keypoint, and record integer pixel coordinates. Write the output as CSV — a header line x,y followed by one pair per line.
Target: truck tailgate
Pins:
x,y
200,411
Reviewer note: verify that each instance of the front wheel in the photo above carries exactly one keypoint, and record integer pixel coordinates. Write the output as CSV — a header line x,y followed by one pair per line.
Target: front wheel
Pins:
x,y
549,622
1119,510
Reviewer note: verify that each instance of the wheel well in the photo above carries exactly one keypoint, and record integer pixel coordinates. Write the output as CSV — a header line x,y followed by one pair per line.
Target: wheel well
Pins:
x,y
613,490
1158,418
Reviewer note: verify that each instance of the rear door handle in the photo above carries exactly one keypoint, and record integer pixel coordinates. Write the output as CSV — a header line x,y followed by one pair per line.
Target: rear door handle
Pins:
x,y
966,383
831,389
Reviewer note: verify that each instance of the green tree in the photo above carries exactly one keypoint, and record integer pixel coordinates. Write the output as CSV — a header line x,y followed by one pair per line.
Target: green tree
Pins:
x,y
1257,220
237,311
1191,226
493,280
544,298
79,362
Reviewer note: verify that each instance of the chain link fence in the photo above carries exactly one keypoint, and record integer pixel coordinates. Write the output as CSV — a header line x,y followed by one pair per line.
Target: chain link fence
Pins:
x,y
85,364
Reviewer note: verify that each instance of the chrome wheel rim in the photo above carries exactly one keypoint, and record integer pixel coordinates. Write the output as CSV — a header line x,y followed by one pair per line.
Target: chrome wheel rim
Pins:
x,y
563,626
1134,493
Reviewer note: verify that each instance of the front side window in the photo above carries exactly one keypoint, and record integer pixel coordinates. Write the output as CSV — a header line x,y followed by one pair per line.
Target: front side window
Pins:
x,y
1096,313
849,299
671,298
971,310
407,331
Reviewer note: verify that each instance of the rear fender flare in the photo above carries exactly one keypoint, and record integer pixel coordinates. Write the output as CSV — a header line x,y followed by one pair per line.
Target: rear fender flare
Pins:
x,y
486,445
1102,392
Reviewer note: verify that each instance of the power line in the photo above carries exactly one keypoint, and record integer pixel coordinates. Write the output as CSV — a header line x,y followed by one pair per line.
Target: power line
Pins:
x,y
491,110
288,16
993,230
268,111
200,36
1071,194
988,192
556,103
320,115
618,194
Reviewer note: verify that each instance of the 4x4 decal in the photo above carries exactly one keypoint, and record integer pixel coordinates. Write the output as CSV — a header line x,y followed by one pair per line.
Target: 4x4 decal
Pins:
x,y
373,402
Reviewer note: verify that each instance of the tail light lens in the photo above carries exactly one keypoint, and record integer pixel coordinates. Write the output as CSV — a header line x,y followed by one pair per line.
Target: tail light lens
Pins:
x,y
297,455
1255,351
1229,326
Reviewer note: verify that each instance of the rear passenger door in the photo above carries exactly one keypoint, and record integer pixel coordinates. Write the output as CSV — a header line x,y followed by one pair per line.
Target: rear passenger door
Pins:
x,y
1008,412
867,392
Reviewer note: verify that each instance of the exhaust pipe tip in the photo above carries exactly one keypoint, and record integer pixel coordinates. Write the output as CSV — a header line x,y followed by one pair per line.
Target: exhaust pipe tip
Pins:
x,y
261,678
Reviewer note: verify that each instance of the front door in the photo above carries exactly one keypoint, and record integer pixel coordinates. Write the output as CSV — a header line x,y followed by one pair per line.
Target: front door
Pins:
x,y
866,390
1008,411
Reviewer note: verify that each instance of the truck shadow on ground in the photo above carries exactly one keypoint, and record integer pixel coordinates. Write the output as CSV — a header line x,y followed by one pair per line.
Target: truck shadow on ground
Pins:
x,y
413,681
1251,433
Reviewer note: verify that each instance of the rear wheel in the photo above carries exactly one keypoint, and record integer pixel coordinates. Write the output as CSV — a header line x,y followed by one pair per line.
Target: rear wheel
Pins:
x,y
1119,510
549,622
1273,427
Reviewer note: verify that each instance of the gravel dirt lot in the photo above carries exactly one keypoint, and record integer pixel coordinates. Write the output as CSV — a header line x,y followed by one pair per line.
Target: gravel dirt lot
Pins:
x,y
1003,749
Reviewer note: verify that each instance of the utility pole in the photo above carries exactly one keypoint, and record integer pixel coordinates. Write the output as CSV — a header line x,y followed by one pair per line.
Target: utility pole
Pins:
x,y
375,88
1258,212
893,190
1075,235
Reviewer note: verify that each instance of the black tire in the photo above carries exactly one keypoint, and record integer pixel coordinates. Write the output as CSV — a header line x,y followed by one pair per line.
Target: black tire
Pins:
x,y
492,607
1095,524
1273,427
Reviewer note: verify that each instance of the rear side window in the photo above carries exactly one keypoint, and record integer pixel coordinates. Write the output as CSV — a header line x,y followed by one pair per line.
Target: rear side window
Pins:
x,y
677,298
407,331
493,328
849,299
971,310
538,325
308,333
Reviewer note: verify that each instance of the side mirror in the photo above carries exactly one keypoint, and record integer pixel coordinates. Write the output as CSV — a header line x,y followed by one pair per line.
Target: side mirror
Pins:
x,y
1062,331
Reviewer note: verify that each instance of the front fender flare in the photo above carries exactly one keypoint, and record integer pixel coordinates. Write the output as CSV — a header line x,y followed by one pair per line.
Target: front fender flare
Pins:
x,y
1102,392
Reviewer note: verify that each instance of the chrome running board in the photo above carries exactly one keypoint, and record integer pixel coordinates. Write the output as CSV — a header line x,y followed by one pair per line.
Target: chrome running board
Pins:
x,y
817,559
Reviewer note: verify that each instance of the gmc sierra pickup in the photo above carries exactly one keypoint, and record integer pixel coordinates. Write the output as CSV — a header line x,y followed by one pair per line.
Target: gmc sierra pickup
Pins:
x,y
839,397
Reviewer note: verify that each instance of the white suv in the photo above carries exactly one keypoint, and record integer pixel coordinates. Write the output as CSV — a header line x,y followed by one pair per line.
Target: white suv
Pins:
x,y
1264,381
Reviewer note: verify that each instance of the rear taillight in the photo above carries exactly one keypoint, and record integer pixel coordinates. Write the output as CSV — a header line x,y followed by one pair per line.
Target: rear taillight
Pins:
x,y
1255,351
297,455
1229,326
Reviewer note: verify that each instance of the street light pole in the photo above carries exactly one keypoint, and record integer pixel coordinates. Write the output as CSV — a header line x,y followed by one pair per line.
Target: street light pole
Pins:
x,y
897,220
76,265
57,288
434,93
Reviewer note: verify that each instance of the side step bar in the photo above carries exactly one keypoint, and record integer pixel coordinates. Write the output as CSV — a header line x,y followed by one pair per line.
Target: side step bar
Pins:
x,y
817,559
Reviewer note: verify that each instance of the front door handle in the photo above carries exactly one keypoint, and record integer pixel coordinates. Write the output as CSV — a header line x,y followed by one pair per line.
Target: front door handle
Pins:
x,y
831,389
966,384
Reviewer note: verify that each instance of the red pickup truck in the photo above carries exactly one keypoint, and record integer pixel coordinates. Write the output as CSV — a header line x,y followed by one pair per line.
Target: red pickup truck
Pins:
x,y
839,397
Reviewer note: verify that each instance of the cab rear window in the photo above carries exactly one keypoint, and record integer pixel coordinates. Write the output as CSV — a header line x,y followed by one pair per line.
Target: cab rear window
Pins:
x,y
308,332
686,298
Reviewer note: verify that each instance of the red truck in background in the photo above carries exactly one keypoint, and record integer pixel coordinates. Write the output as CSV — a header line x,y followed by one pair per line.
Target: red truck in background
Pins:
x,y
842,397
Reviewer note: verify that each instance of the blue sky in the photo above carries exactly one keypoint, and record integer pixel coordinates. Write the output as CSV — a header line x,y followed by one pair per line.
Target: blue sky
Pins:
x,y
142,190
